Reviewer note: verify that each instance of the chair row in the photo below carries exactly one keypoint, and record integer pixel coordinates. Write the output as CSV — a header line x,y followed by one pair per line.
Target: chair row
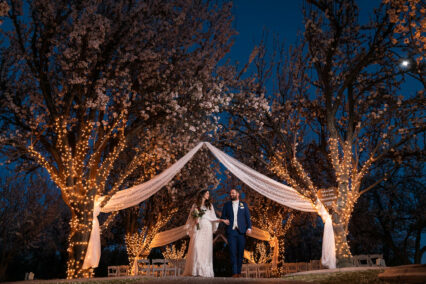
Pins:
x,y
118,270
293,267
357,260
160,267
156,267
253,270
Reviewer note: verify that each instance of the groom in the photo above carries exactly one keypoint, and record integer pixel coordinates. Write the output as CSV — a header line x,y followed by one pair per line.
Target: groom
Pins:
x,y
238,224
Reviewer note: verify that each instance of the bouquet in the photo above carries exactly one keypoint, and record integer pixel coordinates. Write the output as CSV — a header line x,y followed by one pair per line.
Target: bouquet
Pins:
x,y
198,214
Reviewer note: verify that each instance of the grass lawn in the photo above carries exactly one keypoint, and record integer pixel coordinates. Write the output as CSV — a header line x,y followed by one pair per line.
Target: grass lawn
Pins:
x,y
352,277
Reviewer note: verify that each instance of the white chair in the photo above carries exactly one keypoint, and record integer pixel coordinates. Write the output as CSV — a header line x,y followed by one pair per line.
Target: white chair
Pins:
x,y
29,276
302,266
380,262
158,267
180,264
263,270
315,264
123,270
244,269
112,271
377,260
290,267
252,270
170,267
144,267
362,260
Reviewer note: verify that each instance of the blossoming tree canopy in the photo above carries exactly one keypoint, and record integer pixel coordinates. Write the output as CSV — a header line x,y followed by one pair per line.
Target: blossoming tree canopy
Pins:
x,y
86,84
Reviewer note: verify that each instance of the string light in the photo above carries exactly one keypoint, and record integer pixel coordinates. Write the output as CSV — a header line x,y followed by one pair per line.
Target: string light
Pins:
x,y
348,179
269,219
171,252
261,254
138,244
81,179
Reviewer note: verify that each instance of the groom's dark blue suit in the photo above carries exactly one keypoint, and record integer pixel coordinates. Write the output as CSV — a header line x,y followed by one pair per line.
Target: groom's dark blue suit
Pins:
x,y
236,238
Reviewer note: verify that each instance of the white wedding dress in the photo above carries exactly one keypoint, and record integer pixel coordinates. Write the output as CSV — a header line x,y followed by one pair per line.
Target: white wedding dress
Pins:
x,y
199,259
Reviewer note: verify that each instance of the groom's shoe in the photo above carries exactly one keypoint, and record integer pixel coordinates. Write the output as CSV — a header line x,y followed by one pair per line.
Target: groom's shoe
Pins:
x,y
235,275
239,275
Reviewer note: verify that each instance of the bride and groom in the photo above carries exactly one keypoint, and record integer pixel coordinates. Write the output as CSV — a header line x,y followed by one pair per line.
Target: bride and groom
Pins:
x,y
202,223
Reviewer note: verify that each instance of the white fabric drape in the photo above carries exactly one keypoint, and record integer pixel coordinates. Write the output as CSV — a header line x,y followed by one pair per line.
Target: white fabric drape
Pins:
x,y
276,245
260,234
328,257
93,253
172,235
127,198
169,236
285,195
268,187
133,196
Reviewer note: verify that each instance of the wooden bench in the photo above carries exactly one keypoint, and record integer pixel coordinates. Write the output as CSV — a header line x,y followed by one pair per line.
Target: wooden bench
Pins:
x,y
368,260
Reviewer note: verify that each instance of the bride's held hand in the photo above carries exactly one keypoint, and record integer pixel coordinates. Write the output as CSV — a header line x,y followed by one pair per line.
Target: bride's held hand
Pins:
x,y
226,221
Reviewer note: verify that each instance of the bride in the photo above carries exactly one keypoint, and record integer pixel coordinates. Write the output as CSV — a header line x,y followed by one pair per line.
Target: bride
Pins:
x,y
199,260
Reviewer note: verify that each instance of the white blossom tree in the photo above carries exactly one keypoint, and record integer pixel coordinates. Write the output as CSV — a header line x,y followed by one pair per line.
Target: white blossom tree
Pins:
x,y
86,85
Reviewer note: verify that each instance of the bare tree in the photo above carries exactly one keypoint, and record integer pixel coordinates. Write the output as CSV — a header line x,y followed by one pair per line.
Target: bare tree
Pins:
x,y
29,208
393,214
335,111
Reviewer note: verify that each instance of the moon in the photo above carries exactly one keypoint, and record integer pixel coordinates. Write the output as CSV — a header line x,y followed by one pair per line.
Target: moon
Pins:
x,y
405,63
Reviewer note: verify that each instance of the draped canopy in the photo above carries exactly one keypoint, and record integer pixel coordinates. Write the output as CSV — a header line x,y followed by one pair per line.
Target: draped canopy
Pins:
x,y
262,184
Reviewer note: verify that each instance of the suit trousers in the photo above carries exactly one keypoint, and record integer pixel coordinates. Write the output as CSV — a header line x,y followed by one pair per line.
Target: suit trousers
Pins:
x,y
236,243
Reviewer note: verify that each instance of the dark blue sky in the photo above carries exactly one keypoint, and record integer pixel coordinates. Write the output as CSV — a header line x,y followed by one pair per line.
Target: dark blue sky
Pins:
x,y
285,19
253,16
282,17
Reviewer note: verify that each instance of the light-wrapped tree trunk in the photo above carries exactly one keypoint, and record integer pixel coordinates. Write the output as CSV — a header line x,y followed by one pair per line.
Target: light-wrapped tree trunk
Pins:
x,y
92,91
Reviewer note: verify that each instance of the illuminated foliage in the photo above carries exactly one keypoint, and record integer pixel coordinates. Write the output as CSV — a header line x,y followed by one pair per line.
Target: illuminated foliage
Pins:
x,y
106,94
335,112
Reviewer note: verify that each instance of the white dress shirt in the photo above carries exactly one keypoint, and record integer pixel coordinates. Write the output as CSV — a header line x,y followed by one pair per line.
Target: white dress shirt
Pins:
x,y
235,209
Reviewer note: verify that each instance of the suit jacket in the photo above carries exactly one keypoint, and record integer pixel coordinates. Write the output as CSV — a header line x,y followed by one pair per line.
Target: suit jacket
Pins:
x,y
243,219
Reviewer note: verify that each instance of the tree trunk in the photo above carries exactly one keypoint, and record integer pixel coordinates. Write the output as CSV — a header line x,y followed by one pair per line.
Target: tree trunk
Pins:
x,y
81,227
343,253
418,250
6,257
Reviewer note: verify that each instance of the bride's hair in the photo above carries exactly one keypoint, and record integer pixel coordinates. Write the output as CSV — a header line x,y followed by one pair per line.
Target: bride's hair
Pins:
x,y
199,201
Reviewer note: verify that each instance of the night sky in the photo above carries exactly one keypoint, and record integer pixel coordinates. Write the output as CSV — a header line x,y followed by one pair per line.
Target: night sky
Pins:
x,y
285,19
280,17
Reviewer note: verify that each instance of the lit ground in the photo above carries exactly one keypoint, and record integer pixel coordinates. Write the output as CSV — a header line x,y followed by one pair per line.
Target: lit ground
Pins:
x,y
348,275
168,280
